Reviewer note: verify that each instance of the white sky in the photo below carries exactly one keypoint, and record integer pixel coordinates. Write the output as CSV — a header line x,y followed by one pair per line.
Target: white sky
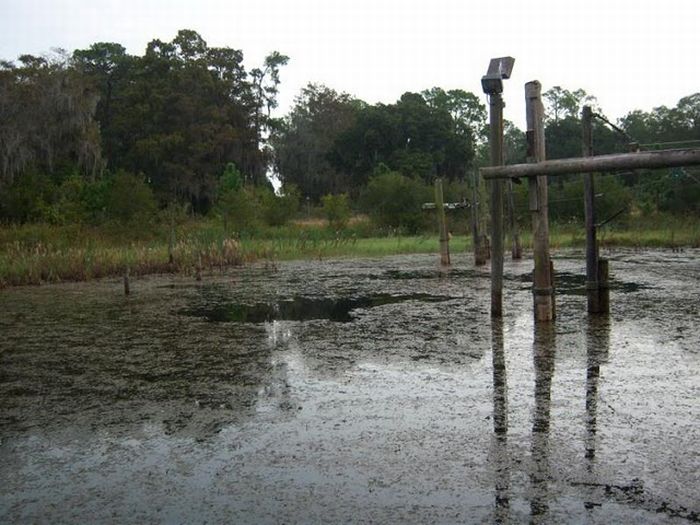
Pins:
x,y
631,54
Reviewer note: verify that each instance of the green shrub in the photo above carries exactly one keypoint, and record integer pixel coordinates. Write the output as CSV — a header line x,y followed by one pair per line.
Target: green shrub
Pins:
x,y
395,201
27,198
130,200
336,209
279,209
239,209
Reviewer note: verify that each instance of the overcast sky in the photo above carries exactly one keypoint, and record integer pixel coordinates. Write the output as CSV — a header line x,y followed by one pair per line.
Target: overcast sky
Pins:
x,y
629,54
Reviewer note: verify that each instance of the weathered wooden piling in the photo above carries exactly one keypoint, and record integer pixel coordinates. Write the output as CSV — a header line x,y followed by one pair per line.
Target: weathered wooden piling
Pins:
x,y
543,290
592,290
496,150
198,268
442,225
126,281
171,237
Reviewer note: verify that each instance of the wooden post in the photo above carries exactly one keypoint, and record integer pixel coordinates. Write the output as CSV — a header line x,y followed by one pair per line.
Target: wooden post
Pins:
x,y
126,281
496,147
592,290
543,290
171,239
198,268
479,257
516,248
442,225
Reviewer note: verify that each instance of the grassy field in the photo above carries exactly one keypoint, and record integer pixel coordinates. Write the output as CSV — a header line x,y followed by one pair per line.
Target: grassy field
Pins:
x,y
39,253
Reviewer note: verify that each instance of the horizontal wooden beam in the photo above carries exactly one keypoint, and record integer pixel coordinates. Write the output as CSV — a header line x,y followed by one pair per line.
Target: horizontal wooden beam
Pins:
x,y
669,158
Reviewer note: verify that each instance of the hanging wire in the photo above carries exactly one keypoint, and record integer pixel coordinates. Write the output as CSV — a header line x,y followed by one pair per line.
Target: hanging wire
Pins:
x,y
613,126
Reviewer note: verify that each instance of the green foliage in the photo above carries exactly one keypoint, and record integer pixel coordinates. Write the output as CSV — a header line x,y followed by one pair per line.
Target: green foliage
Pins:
x,y
130,201
179,112
566,200
231,179
305,139
27,198
393,200
279,209
47,121
336,209
413,137
240,210
562,103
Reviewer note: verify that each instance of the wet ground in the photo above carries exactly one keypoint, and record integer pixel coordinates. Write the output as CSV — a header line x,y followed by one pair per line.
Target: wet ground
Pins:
x,y
370,391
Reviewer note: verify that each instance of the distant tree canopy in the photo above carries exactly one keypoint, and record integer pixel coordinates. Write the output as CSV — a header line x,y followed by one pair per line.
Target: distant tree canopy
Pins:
x,y
182,111
177,115
47,122
411,137
78,130
304,140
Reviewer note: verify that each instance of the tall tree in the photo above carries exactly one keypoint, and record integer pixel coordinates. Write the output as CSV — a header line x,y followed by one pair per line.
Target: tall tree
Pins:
x,y
304,140
410,136
46,118
182,111
265,82
561,103
466,109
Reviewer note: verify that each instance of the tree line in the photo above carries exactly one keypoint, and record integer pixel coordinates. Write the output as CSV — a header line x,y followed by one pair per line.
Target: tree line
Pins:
x,y
99,134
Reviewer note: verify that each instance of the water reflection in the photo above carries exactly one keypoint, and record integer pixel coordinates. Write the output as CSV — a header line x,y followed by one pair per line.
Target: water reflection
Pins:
x,y
597,346
543,350
300,308
500,424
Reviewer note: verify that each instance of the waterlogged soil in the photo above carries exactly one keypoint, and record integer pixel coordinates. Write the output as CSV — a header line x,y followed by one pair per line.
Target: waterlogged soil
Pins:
x,y
363,391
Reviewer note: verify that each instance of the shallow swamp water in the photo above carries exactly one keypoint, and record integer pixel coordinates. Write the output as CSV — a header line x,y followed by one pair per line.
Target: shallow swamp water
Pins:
x,y
363,391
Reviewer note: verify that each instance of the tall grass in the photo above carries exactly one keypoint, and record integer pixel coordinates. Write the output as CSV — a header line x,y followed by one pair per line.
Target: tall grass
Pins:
x,y
39,253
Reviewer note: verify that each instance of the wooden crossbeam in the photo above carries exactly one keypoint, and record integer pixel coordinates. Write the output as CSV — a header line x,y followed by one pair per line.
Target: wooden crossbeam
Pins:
x,y
670,158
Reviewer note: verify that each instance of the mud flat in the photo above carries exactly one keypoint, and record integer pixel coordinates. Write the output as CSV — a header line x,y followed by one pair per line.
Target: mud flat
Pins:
x,y
353,391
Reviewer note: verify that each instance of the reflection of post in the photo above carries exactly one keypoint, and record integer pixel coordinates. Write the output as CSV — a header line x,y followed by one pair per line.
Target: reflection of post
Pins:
x,y
542,289
500,424
597,346
496,146
442,225
543,351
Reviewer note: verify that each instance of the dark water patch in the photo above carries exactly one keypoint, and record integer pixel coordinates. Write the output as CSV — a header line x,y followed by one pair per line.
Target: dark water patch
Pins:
x,y
425,274
303,308
567,283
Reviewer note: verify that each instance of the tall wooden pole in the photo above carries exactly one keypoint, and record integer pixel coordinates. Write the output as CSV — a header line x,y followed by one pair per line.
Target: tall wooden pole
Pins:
x,y
543,289
589,206
442,225
496,147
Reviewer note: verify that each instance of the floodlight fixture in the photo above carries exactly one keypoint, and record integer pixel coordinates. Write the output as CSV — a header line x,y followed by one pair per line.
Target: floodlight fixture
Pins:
x,y
499,69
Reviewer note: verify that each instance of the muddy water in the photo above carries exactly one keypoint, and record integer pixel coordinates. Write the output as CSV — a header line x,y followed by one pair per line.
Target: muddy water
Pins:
x,y
353,391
